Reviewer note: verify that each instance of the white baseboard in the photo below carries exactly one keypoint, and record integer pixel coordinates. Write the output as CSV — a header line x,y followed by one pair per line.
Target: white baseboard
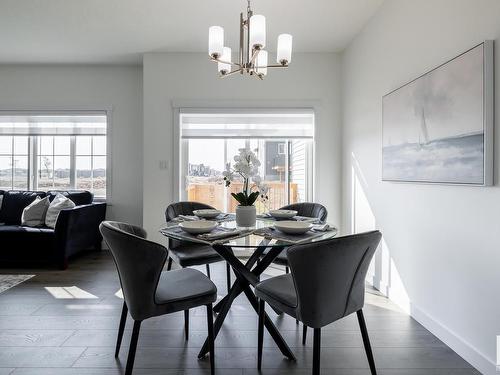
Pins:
x,y
477,359
455,342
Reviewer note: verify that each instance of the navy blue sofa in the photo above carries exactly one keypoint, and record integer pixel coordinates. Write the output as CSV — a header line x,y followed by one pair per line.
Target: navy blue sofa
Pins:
x,y
77,229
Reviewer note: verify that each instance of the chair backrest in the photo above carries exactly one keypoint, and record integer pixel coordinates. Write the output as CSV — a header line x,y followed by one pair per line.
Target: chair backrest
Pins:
x,y
308,209
183,208
139,263
329,276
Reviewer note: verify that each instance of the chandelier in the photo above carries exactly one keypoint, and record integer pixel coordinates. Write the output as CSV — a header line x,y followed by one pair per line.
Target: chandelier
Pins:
x,y
252,57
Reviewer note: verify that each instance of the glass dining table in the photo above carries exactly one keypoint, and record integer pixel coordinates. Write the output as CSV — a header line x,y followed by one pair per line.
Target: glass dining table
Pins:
x,y
249,252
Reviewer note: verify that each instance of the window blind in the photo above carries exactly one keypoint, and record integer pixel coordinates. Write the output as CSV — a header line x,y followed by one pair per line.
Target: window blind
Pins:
x,y
289,124
61,123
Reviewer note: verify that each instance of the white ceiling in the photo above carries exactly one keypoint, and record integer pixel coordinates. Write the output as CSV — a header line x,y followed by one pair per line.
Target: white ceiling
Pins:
x,y
120,31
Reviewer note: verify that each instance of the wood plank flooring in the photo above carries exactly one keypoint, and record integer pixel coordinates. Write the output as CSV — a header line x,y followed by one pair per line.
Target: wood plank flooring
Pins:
x,y
65,323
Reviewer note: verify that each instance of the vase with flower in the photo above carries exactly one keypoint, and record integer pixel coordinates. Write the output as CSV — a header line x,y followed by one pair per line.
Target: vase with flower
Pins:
x,y
246,169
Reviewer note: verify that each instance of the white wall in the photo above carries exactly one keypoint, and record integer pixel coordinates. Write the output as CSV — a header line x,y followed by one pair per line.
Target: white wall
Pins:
x,y
444,241
192,78
75,87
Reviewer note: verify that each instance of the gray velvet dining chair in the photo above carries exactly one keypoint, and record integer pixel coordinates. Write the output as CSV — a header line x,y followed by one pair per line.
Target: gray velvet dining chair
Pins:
x,y
148,291
323,288
306,209
187,254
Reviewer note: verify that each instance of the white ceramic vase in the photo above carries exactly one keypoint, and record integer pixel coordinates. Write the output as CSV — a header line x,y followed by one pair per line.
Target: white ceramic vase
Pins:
x,y
246,216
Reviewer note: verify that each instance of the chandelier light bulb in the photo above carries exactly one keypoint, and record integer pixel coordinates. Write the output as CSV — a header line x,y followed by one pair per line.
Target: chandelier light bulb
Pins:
x,y
258,31
215,41
261,63
284,53
224,65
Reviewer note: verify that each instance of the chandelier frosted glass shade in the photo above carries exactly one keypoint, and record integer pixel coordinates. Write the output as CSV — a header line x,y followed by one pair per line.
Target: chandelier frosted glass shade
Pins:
x,y
215,41
224,65
284,50
252,57
258,31
261,63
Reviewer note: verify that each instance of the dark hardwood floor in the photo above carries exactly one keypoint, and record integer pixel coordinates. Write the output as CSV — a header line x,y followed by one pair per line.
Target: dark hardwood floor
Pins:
x,y
65,323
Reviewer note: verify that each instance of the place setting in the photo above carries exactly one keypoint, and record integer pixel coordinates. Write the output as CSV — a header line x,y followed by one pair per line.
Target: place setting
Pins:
x,y
283,214
205,214
294,232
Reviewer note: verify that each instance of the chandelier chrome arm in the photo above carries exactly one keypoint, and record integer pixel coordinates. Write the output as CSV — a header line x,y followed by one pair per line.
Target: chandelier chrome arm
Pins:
x,y
252,58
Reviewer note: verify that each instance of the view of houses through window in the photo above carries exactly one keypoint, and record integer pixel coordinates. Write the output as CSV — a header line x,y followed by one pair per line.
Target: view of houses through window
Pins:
x,y
44,160
286,165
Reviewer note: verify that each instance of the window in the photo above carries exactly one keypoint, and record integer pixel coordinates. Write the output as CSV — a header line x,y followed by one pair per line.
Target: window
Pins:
x,y
283,143
53,151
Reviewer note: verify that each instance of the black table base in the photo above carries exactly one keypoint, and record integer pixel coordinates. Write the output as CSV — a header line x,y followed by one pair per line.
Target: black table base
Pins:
x,y
246,276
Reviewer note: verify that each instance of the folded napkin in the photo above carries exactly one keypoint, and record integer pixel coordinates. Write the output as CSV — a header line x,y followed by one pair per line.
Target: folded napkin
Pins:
x,y
321,228
220,234
181,218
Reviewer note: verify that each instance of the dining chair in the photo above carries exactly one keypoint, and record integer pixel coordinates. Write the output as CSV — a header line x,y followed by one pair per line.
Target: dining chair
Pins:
x,y
323,288
187,254
306,209
148,291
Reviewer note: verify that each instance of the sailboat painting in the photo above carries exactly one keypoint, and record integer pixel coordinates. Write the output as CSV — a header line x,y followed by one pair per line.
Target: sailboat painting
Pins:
x,y
437,128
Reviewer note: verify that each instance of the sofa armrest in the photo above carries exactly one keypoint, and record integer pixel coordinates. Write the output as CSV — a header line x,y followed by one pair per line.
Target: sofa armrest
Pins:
x,y
78,229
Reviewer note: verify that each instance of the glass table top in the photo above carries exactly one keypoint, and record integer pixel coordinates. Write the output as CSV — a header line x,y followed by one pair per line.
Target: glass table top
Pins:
x,y
247,238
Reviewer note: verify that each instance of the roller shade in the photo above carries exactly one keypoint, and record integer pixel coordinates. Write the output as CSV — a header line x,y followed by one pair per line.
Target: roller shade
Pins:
x,y
65,123
290,124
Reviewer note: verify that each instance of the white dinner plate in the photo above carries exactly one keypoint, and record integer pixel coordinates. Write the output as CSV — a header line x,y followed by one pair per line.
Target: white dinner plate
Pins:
x,y
283,214
293,227
198,226
207,213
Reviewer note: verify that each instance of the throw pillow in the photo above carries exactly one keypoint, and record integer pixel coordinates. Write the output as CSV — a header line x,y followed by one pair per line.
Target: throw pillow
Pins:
x,y
34,214
59,203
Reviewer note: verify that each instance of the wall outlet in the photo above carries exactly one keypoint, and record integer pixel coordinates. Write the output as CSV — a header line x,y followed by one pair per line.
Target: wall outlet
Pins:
x,y
164,164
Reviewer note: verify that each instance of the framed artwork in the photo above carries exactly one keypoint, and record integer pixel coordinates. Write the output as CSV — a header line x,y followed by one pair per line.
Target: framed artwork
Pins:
x,y
438,128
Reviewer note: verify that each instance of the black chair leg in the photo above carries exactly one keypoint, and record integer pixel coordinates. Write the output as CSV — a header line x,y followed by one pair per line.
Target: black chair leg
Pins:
x,y
316,351
121,328
169,266
304,334
208,270
211,344
366,341
228,277
186,324
133,347
260,344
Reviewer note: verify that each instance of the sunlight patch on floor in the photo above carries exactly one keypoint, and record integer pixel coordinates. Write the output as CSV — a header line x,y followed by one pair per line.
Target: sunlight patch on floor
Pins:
x,y
69,292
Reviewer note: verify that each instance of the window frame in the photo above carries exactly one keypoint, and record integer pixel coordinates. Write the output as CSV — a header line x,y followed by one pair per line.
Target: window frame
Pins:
x,y
106,110
211,106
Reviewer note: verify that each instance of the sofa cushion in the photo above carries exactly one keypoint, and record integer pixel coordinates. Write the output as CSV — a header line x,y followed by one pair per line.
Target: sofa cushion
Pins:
x,y
34,214
13,204
59,203
79,197
25,244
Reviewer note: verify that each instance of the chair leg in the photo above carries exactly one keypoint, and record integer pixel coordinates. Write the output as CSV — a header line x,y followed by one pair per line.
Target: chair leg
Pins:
x,y
366,341
228,277
262,309
287,270
133,347
211,344
304,334
208,270
121,328
169,266
316,351
186,324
